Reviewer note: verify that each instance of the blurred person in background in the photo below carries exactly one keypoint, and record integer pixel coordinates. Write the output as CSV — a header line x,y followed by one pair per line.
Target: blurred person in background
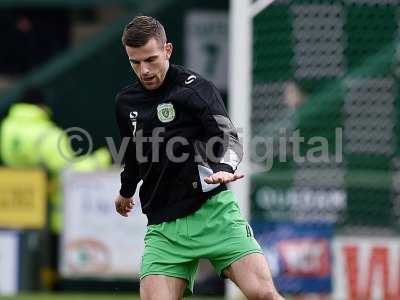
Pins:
x,y
191,213
28,139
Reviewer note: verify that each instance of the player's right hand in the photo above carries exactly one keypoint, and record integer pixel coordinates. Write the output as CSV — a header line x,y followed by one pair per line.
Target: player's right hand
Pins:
x,y
124,205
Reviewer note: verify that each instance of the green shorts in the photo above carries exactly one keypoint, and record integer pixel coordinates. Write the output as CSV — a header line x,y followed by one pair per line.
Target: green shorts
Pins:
x,y
216,232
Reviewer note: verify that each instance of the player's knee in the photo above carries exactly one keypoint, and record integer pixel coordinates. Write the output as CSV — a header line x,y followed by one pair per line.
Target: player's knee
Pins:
x,y
147,292
264,292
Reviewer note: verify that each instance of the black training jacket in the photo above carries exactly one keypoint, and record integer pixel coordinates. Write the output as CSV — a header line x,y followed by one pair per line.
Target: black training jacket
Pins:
x,y
178,134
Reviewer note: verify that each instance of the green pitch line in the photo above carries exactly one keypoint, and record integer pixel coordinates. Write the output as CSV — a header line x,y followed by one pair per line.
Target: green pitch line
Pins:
x,y
73,296
70,296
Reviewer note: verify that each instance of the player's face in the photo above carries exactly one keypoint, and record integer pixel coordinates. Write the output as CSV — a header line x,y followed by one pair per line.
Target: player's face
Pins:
x,y
150,62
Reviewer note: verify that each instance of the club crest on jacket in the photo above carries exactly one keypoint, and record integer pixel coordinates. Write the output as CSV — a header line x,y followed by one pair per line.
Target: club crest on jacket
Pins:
x,y
165,112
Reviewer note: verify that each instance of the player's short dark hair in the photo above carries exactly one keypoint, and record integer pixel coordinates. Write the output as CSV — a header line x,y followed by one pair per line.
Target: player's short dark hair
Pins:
x,y
141,29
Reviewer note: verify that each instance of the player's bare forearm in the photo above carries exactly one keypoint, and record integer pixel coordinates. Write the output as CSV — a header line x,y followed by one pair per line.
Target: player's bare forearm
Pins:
x,y
124,205
222,177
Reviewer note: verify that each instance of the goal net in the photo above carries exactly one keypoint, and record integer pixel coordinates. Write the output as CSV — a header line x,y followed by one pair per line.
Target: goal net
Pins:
x,y
324,146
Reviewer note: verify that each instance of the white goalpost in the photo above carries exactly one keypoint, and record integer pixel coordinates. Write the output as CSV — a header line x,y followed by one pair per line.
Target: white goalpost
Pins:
x,y
241,16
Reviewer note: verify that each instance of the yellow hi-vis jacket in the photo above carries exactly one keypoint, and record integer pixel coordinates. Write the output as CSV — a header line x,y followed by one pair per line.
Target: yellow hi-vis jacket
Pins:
x,y
28,138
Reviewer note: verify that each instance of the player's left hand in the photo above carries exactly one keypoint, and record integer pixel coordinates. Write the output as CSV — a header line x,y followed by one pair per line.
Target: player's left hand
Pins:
x,y
124,205
222,177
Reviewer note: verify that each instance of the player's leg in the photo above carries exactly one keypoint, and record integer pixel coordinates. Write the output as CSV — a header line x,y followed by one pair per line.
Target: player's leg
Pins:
x,y
169,265
233,250
253,277
160,287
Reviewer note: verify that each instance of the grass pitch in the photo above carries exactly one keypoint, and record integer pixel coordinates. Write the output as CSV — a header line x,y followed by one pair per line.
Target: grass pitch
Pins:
x,y
74,296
